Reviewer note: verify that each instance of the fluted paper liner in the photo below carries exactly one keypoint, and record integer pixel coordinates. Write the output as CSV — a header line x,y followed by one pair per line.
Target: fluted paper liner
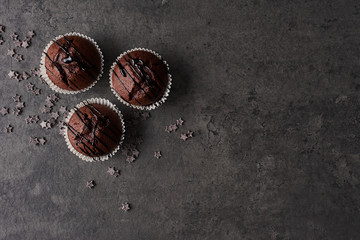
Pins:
x,y
148,107
101,101
48,80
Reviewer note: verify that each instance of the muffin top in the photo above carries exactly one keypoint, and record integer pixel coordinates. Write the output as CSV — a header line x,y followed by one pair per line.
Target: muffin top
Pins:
x,y
140,78
95,130
73,63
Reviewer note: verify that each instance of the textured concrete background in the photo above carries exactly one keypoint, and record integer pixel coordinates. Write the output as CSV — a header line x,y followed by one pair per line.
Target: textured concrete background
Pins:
x,y
271,89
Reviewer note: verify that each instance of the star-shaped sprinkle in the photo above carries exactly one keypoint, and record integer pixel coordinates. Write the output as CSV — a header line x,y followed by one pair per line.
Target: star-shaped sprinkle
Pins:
x,y
45,109
30,33
42,141
25,43
90,184
130,159
157,154
62,110
135,153
43,124
11,52
17,98
30,87
2,29
17,43
14,36
35,72
114,172
183,136
25,76
28,120
9,129
34,141
179,122
16,111
55,115
125,206
37,91
167,129
189,134
20,105
12,74
54,97
35,119
52,121
19,57
4,111
145,115
1,41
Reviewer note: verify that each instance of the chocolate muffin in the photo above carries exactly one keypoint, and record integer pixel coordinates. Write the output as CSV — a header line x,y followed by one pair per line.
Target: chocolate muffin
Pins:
x,y
95,129
140,78
72,63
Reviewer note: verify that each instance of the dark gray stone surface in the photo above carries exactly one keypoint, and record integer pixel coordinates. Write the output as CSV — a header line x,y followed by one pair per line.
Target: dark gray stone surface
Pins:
x,y
271,89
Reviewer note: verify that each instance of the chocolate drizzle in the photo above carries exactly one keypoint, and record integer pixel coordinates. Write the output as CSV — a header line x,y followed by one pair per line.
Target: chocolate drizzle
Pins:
x,y
144,78
88,139
67,65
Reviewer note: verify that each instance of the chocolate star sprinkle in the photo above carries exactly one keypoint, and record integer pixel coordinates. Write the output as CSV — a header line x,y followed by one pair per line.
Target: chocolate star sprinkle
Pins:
x,y
25,76
16,98
55,115
62,110
25,43
30,87
9,129
4,111
16,111
114,172
14,36
31,33
11,52
20,105
34,141
130,159
19,57
35,72
17,43
42,141
125,206
45,109
183,137
2,29
157,154
37,91
43,124
90,184
179,122
12,74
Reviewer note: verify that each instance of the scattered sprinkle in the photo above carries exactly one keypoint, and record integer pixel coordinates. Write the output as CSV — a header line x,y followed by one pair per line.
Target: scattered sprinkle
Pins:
x,y
179,122
30,87
31,33
130,159
62,110
11,52
32,119
90,184
14,36
25,43
17,98
16,111
114,172
125,206
185,136
17,43
4,111
45,109
37,91
19,57
9,129
55,115
35,72
157,154
2,29
20,105
42,141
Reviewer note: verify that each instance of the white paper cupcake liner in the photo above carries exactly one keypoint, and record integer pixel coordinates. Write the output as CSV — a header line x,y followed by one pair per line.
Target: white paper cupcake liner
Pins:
x,y
101,101
148,107
48,80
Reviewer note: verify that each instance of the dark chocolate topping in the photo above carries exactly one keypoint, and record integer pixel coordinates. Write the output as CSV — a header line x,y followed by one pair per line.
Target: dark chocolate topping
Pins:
x,y
140,78
95,130
73,63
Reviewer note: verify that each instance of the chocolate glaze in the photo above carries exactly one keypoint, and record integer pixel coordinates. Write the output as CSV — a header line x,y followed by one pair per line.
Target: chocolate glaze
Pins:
x,y
95,130
72,63
140,78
